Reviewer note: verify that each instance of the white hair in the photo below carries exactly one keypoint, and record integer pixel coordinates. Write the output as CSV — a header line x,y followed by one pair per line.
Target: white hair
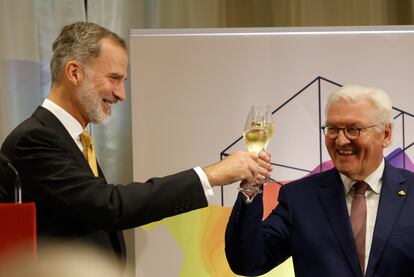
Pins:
x,y
354,93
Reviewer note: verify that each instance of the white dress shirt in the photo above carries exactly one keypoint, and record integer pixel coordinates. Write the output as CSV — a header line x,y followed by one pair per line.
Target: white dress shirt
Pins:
x,y
75,129
68,121
372,197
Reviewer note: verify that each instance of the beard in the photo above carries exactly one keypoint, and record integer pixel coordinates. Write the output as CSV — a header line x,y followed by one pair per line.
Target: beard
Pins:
x,y
90,100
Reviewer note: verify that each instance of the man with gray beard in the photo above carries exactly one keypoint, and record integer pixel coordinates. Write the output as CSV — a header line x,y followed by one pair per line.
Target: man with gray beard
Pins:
x,y
59,171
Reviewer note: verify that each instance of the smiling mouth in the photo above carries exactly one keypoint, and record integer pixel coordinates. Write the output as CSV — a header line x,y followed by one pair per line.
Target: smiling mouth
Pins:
x,y
345,152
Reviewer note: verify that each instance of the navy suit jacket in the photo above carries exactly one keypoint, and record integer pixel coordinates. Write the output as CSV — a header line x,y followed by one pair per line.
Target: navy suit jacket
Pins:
x,y
311,224
71,203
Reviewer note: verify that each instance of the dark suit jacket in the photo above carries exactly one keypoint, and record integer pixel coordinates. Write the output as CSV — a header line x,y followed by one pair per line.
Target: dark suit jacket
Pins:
x,y
311,224
72,203
6,181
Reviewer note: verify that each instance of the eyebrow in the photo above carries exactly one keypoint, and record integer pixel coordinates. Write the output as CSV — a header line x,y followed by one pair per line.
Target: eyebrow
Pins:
x,y
355,124
117,75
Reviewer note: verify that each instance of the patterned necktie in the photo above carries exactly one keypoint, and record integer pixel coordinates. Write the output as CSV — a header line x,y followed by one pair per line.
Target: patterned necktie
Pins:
x,y
359,220
89,151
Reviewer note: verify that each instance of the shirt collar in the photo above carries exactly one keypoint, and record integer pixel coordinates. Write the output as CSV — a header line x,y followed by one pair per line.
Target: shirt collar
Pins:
x,y
68,121
373,180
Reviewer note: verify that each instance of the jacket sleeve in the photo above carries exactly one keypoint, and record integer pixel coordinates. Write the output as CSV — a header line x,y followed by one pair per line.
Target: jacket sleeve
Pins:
x,y
56,178
254,247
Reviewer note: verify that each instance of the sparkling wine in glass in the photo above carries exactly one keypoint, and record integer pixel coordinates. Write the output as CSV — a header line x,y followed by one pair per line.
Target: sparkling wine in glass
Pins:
x,y
258,131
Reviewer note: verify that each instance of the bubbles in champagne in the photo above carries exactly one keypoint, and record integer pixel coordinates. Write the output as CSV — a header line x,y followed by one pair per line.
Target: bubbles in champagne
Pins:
x,y
258,136
270,128
256,139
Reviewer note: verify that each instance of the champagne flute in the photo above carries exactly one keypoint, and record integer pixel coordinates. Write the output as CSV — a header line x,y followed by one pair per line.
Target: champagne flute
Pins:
x,y
257,133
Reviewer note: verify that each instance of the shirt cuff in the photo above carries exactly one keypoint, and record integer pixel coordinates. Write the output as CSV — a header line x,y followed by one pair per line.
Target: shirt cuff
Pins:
x,y
208,191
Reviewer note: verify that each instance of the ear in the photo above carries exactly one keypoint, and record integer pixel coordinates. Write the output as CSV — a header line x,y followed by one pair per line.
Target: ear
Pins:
x,y
387,135
73,71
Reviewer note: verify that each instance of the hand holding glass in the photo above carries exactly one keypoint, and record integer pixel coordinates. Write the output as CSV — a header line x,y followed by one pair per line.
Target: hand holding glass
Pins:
x,y
257,133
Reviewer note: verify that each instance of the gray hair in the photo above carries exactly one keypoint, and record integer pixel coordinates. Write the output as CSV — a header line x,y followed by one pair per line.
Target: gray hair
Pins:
x,y
80,41
354,93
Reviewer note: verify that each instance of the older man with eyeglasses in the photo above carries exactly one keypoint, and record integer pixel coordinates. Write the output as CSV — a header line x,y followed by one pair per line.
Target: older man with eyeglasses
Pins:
x,y
356,219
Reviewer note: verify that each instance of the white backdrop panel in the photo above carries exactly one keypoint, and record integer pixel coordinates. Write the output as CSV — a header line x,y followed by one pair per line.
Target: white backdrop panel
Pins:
x,y
191,91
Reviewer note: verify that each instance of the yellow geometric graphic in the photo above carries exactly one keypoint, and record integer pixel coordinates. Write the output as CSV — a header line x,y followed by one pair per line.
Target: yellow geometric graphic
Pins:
x,y
200,235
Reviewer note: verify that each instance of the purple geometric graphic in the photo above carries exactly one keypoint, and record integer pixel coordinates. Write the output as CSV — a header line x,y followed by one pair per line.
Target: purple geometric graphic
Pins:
x,y
396,158
399,159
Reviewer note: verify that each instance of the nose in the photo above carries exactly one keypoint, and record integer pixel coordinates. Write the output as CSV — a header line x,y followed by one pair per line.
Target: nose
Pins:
x,y
341,139
119,91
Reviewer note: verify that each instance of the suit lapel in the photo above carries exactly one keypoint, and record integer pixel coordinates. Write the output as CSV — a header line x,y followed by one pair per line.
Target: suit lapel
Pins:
x,y
49,120
389,207
332,197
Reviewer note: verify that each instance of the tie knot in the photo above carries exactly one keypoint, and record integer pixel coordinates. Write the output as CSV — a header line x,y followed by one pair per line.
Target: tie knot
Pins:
x,y
85,139
361,187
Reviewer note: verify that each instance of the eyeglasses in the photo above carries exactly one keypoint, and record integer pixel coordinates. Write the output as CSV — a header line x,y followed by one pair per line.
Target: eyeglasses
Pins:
x,y
351,133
